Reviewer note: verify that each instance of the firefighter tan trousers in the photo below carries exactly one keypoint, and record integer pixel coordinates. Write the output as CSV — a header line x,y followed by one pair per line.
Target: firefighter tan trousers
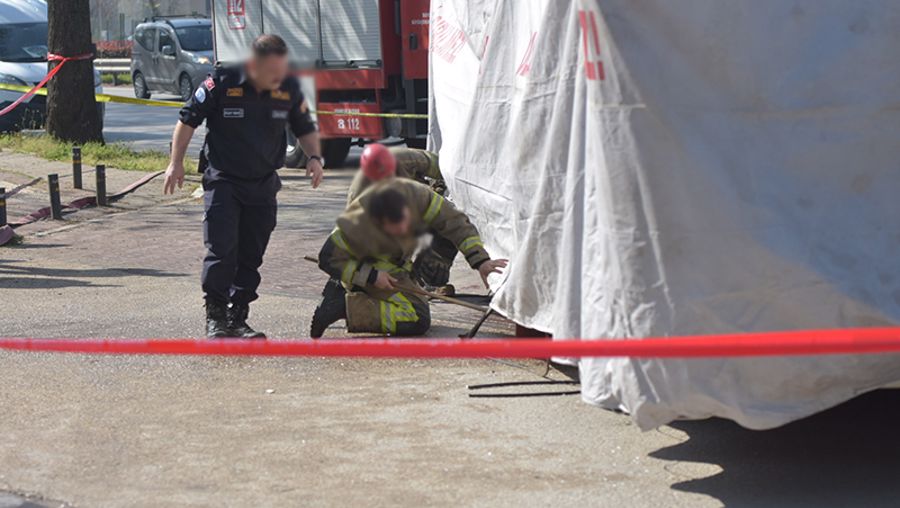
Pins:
x,y
388,312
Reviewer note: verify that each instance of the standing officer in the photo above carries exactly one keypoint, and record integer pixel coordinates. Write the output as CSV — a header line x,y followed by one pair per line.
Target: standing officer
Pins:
x,y
246,109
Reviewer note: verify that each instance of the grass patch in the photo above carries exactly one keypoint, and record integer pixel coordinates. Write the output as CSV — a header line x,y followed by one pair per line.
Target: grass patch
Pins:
x,y
113,155
116,79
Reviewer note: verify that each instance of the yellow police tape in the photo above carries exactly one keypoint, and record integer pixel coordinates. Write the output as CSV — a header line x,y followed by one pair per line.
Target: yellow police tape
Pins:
x,y
102,97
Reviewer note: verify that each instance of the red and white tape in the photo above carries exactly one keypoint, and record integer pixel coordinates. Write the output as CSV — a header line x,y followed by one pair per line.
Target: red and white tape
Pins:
x,y
792,343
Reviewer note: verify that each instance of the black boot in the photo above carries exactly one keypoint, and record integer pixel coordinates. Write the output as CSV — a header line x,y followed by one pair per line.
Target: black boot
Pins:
x,y
332,309
237,321
431,269
217,320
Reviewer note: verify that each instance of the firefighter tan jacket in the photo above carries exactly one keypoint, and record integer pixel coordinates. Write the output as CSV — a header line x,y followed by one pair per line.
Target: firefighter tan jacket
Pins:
x,y
412,163
360,245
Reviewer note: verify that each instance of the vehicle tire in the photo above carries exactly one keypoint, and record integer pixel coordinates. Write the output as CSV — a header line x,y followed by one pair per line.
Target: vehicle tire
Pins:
x,y
9,127
335,151
293,156
140,86
419,143
185,87
101,112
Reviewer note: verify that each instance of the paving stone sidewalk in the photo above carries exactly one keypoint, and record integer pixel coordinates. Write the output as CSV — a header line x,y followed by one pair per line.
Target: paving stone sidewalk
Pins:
x,y
160,237
18,168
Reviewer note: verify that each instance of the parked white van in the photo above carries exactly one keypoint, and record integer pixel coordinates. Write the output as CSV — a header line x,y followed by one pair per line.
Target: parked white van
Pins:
x,y
23,61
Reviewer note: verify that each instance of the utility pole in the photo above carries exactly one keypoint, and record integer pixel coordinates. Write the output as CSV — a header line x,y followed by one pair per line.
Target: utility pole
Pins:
x,y
72,113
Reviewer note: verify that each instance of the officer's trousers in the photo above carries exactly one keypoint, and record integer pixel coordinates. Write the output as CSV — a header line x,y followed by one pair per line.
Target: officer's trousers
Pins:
x,y
374,310
237,224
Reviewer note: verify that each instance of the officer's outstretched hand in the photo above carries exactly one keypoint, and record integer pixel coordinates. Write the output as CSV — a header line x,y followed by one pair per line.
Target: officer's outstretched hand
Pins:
x,y
491,266
384,281
174,176
314,169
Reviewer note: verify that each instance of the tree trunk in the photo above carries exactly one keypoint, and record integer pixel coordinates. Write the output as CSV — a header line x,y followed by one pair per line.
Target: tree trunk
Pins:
x,y
72,113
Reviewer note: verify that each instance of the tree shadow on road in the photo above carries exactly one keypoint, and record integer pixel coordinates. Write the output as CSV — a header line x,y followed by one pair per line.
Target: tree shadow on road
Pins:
x,y
27,277
333,175
846,456
44,283
30,246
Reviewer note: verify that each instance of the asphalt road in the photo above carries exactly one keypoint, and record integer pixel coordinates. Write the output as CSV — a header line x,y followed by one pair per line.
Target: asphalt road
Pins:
x,y
143,127
150,127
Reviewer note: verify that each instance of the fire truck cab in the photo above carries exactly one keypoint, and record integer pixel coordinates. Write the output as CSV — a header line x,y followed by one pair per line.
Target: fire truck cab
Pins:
x,y
353,56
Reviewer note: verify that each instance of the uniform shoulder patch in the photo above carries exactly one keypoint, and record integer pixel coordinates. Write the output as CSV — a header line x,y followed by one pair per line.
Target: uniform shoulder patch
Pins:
x,y
200,95
281,95
210,83
235,92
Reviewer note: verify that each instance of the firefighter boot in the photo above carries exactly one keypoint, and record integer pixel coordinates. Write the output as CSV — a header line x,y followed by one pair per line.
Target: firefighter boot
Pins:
x,y
431,269
216,320
332,309
237,322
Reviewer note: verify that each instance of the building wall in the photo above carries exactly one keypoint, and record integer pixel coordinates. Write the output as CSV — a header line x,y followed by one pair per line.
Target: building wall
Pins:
x,y
116,19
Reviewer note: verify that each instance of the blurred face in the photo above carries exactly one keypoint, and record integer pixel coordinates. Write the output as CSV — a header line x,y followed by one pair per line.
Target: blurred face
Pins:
x,y
268,72
398,229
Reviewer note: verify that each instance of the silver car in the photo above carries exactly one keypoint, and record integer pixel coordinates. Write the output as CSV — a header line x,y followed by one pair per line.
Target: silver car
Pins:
x,y
171,55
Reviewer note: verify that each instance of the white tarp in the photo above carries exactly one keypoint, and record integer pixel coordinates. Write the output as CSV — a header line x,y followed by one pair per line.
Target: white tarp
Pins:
x,y
655,168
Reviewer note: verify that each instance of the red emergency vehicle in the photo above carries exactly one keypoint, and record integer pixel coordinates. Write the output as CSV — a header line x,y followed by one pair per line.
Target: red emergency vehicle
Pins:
x,y
367,56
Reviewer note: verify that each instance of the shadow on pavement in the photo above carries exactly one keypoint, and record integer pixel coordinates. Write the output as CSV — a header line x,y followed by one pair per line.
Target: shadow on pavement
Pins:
x,y
846,456
10,500
29,246
298,175
44,283
22,277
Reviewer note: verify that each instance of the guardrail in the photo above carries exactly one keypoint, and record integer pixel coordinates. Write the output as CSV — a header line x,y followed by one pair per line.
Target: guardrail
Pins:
x,y
114,66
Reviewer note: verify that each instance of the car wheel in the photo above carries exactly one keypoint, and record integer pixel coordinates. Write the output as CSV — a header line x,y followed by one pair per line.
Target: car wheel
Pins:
x,y
185,87
140,86
9,126
101,113
335,151
419,143
293,155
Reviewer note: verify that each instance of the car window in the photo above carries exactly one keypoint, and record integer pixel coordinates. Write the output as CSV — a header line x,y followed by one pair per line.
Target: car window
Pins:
x,y
165,39
23,42
195,38
144,37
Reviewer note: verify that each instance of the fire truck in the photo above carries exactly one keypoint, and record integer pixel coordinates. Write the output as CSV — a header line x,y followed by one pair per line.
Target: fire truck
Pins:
x,y
353,56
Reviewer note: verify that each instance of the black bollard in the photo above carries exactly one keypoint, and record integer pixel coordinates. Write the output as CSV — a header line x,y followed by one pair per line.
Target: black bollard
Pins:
x,y
76,167
101,185
2,206
55,205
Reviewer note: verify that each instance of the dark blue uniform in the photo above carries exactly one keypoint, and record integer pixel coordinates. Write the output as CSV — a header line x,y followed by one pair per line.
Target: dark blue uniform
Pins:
x,y
245,144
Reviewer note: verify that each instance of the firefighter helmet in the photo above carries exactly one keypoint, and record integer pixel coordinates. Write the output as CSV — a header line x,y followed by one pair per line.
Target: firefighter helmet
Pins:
x,y
377,162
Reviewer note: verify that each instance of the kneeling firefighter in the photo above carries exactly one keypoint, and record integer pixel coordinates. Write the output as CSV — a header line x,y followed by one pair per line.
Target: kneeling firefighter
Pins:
x,y
370,253
431,267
